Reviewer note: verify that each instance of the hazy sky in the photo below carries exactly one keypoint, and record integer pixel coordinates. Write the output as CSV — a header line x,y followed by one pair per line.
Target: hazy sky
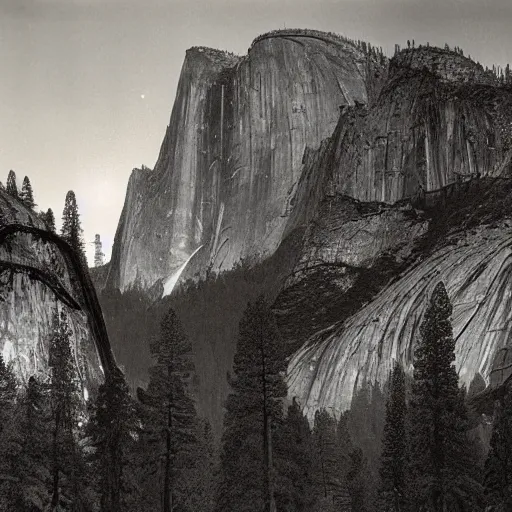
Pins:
x,y
87,86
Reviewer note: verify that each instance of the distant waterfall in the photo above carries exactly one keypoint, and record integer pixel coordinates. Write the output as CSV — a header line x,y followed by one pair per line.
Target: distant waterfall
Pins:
x,y
172,280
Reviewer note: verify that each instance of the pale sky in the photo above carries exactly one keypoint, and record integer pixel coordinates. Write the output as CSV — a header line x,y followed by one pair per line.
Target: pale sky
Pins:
x,y
73,73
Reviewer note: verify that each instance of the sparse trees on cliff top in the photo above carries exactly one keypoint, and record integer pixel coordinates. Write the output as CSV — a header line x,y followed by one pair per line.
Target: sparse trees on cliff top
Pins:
x,y
71,228
49,219
27,195
12,188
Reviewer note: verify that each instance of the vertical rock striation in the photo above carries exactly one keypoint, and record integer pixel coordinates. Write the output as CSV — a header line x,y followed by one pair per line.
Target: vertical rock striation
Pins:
x,y
232,154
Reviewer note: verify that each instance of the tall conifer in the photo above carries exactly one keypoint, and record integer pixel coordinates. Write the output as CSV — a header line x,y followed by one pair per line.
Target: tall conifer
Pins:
x,y
67,465
170,423
113,427
28,451
71,230
253,411
8,434
442,469
392,493
294,462
11,187
27,194
328,479
50,220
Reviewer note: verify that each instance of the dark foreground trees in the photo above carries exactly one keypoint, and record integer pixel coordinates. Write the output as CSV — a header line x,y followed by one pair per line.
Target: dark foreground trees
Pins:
x,y
253,412
68,470
169,417
498,466
293,455
392,492
442,470
114,430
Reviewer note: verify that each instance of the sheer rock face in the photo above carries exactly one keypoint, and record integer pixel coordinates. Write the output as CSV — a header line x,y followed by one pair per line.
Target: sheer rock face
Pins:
x,y
232,155
36,279
477,272
427,130
258,147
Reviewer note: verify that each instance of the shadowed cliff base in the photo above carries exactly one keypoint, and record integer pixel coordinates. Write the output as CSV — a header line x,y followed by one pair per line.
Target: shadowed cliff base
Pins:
x,y
210,311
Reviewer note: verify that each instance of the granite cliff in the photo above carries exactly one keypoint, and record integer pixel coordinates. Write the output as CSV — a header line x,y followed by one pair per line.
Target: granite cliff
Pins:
x,y
232,154
388,175
39,273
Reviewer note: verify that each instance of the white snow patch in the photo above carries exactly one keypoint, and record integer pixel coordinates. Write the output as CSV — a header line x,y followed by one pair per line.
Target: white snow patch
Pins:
x,y
170,283
86,394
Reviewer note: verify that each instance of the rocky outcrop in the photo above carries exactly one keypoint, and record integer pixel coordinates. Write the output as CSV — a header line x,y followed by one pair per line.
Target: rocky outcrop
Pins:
x,y
39,274
425,142
350,250
232,155
477,271
427,130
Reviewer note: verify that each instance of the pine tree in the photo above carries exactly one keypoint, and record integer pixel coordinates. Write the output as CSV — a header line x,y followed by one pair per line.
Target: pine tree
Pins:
x,y
253,411
112,427
345,448
29,457
328,477
170,422
12,188
200,477
357,480
50,220
294,460
7,429
71,228
27,195
441,468
67,466
392,491
498,466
